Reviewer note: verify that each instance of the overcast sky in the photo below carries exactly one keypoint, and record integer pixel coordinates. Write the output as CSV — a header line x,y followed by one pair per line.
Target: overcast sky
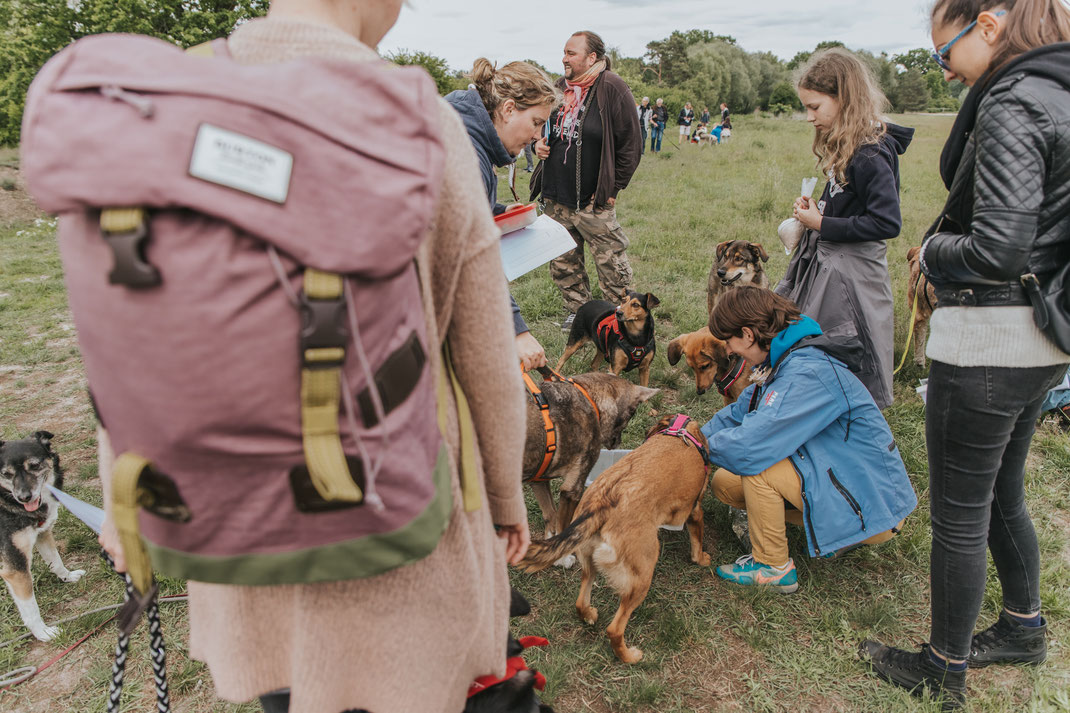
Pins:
x,y
506,30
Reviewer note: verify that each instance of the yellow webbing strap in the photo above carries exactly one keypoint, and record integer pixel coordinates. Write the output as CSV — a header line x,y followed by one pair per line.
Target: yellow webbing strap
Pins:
x,y
321,390
910,331
125,502
204,49
121,220
469,475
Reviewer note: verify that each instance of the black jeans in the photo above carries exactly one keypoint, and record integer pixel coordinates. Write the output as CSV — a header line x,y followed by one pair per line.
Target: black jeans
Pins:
x,y
979,422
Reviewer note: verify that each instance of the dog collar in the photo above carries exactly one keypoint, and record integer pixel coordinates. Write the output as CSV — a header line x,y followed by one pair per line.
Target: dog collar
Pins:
x,y
513,666
735,370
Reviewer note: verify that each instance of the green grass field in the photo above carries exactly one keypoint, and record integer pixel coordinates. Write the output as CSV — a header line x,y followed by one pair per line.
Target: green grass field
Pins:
x,y
709,646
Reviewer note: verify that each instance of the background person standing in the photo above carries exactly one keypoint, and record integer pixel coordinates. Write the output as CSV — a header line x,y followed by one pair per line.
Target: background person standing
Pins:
x,y
659,117
593,150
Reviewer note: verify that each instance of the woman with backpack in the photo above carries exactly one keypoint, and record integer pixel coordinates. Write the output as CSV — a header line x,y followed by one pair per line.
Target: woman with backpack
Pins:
x,y
1006,224
334,643
504,111
839,272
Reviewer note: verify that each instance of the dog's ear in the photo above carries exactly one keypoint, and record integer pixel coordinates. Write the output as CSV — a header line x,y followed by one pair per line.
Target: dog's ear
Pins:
x,y
721,247
913,252
44,438
759,252
518,605
651,302
643,393
676,349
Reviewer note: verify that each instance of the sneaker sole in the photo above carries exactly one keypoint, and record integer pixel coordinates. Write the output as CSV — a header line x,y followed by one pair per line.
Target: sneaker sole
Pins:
x,y
974,663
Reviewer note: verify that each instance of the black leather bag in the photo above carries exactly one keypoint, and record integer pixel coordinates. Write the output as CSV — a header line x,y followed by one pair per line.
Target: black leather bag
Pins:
x,y
1051,306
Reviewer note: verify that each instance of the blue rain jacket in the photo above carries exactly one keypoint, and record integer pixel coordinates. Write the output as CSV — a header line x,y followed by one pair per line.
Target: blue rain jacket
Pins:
x,y
813,411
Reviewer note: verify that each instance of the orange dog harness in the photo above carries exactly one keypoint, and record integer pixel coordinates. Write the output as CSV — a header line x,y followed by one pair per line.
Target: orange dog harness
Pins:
x,y
549,374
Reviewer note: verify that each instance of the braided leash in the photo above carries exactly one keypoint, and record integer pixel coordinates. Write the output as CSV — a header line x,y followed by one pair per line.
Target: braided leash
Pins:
x,y
158,654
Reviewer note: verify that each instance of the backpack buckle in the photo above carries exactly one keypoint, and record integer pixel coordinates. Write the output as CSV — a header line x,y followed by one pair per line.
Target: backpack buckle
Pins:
x,y
125,231
323,332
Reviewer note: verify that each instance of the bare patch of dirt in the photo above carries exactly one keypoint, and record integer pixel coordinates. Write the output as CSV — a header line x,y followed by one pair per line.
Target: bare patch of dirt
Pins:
x,y
16,206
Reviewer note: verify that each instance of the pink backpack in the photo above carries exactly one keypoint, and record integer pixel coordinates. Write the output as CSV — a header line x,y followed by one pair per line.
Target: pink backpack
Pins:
x,y
238,244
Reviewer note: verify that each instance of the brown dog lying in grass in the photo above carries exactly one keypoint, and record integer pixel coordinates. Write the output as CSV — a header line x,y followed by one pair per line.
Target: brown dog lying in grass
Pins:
x,y
713,366
925,293
616,527
580,433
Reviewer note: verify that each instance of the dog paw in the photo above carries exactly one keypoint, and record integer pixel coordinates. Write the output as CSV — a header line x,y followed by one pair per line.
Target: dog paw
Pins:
x,y
630,655
589,615
703,560
45,633
566,562
73,576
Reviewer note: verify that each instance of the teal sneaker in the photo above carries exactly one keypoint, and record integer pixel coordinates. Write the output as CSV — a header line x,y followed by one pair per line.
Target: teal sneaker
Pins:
x,y
746,570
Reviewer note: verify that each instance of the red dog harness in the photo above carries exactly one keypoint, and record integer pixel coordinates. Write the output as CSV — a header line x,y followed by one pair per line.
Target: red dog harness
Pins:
x,y
549,374
513,666
678,428
611,325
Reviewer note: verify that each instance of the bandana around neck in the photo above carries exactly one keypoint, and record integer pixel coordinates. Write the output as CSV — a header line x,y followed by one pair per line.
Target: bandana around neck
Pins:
x,y
575,95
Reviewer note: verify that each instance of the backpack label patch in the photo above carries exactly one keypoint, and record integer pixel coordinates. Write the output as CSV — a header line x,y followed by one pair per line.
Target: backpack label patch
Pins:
x,y
242,163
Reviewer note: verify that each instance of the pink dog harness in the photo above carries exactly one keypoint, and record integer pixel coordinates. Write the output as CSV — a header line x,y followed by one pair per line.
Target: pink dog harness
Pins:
x,y
678,428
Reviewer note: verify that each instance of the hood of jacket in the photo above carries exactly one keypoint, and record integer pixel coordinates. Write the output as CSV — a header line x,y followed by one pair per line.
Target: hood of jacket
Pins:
x,y
898,137
478,124
788,338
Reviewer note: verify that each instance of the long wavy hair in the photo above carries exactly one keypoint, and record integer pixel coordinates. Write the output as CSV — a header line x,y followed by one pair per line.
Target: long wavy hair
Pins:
x,y
524,83
840,74
1030,23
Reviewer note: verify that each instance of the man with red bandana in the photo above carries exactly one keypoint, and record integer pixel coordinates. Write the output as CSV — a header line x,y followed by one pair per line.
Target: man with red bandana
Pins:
x,y
593,149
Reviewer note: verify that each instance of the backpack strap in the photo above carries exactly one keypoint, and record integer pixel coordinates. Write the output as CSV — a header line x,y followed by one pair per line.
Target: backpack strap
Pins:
x,y
469,474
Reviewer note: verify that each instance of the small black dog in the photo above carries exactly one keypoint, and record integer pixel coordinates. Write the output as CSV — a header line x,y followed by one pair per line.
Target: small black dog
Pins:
x,y
624,335
27,513
515,694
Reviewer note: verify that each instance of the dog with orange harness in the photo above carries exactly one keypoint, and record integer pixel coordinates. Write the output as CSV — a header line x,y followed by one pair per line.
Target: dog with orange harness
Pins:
x,y
569,421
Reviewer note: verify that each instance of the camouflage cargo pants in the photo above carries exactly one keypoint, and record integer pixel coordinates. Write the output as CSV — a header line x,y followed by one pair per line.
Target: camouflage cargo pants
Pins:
x,y
598,228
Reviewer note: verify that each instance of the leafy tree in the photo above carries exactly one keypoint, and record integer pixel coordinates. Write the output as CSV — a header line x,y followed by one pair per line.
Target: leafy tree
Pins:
x,y
669,58
920,59
913,92
435,66
784,94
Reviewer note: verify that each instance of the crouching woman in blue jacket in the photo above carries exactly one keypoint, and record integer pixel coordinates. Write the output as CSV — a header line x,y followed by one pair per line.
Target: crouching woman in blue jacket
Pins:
x,y
808,446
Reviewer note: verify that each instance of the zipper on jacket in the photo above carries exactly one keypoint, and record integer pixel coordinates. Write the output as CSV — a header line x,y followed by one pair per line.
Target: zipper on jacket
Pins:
x,y
848,497
806,509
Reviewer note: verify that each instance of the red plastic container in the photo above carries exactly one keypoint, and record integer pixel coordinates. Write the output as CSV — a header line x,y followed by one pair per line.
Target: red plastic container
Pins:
x,y
515,218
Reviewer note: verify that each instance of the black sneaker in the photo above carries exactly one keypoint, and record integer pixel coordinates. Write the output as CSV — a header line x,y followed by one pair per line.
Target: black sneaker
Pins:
x,y
1008,641
566,323
915,671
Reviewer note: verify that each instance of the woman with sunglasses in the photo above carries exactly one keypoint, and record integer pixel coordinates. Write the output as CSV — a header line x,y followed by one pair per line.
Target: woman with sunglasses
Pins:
x,y
1007,167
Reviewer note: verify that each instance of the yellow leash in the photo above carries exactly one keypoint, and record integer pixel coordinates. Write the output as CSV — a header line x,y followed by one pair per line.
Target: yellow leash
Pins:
x,y
910,332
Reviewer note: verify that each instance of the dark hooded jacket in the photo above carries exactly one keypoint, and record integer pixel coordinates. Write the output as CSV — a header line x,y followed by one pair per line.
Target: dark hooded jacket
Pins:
x,y
491,153
867,207
1007,165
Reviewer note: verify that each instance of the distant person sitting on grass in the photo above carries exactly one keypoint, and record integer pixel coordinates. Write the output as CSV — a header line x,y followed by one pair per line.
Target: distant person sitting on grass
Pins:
x,y
808,446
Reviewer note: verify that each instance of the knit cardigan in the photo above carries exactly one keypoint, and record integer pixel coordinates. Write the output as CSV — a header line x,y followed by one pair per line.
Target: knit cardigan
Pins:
x,y
411,639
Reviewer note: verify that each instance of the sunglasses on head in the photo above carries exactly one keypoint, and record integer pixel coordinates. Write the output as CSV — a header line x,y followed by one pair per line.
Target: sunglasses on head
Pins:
x,y
940,55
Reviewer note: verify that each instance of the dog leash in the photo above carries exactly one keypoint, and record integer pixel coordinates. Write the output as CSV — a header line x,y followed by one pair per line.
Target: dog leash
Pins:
x,y
910,332
132,603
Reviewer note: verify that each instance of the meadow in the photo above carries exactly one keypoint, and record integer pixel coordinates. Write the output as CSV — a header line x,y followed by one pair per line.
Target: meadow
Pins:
x,y
709,645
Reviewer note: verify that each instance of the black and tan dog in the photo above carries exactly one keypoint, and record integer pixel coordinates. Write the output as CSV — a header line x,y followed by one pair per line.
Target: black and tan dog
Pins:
x,y
27,513
919,289
738,263
616,527
713,366
623,336
586,415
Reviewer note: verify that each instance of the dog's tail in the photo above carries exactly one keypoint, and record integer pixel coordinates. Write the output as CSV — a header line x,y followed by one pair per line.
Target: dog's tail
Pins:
x,y
543,554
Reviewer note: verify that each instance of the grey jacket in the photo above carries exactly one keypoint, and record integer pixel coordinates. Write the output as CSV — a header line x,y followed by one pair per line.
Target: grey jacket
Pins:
x,y
1008,211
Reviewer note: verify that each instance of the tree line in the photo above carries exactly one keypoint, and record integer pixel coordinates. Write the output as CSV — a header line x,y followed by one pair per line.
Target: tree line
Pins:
x,y
695,65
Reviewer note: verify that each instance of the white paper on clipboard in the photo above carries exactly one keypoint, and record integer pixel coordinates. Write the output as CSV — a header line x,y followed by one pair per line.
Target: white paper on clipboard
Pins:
x,y
531,247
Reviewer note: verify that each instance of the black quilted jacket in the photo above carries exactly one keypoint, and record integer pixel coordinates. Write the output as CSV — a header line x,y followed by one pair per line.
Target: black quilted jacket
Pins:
x,y
1008,210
